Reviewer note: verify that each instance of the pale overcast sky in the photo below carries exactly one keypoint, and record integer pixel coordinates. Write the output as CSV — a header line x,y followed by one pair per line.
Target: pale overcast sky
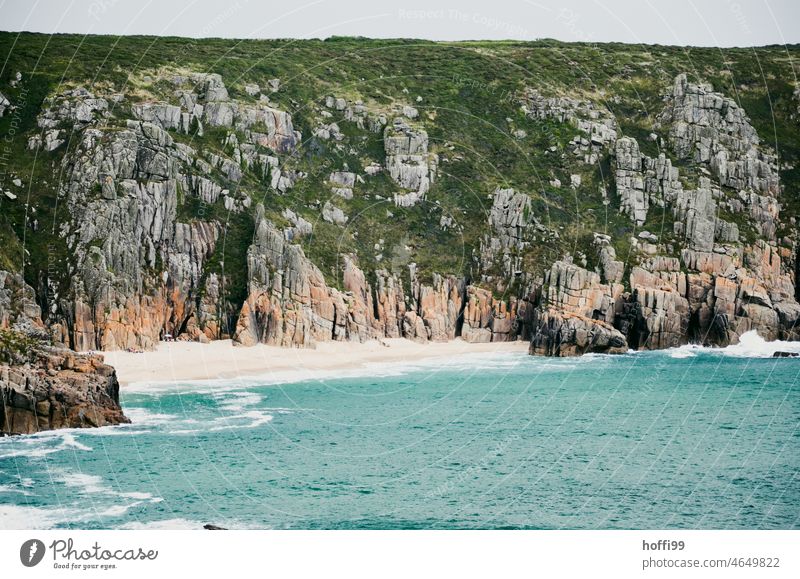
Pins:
x,y
681,22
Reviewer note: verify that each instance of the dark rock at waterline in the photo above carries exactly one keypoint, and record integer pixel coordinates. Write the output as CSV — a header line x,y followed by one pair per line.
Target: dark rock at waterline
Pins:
x,y
210,527
785,354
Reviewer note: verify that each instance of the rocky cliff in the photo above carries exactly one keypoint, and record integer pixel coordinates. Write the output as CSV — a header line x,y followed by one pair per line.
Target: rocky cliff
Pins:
x,y
58,389
172,200
43,387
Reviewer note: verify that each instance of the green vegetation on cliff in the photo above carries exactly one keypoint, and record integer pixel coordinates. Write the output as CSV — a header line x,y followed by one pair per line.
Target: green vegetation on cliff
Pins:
x,y
469,97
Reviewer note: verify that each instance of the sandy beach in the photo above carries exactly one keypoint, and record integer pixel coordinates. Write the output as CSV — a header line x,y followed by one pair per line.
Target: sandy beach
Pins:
x,y
181,361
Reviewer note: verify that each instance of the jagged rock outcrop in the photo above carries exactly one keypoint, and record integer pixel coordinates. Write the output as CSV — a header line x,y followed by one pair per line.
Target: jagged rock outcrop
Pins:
x,y
342,183
509,219
696,215
44,387
4,104
595,123
712,129
333,214
487,319
656,315
73,109
18,307
288,303
438,305
352,111
137,270
611,269
630,180
559,334
408,162
574,314
124,234
59,389
643,181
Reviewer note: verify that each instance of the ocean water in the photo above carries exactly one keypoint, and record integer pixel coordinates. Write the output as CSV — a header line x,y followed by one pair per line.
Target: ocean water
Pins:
x,y
687,438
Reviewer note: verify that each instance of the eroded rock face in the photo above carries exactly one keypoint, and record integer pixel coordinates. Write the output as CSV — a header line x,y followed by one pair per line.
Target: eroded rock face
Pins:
x,y
575,313
290,304
138,271
487,319
61,389
657,314
44,387
509,221
18,307
145,222
596,124
123,234
643,181
408,162
712,129
557,333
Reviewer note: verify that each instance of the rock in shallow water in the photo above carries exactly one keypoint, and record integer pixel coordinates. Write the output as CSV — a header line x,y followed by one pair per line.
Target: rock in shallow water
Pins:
x,y
60,389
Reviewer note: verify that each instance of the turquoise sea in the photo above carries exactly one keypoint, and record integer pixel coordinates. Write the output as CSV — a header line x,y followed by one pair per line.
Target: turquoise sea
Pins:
x,y
688,438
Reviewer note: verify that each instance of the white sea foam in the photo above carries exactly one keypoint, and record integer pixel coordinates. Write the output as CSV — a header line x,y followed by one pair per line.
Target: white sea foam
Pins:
x,y
184,431
14,490
69,441
85,483
24,517
90,484
255,418
143,417
751,345
687,351
118,430
237,401
40,444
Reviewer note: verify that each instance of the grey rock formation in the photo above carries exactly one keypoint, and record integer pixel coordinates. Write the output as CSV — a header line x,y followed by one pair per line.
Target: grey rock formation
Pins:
x,y
643,181
509,221
612,270
695,213
299,228
596,126
342,183
18,307
4,104
333,214
630,180
709,128
408,162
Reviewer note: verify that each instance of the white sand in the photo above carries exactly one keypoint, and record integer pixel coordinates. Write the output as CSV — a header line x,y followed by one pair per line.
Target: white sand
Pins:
x,y
181,361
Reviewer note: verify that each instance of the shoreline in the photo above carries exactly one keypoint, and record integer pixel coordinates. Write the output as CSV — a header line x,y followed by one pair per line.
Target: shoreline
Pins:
x,y
220,359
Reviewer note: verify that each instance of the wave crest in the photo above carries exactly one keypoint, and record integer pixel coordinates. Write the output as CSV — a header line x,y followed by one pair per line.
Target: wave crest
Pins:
x,y
751,345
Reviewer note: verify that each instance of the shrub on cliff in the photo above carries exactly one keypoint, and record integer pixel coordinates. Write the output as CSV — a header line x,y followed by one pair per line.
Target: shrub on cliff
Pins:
x,y
18,347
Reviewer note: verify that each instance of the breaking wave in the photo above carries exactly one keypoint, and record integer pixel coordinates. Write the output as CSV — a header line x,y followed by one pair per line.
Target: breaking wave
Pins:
x,y
751,345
